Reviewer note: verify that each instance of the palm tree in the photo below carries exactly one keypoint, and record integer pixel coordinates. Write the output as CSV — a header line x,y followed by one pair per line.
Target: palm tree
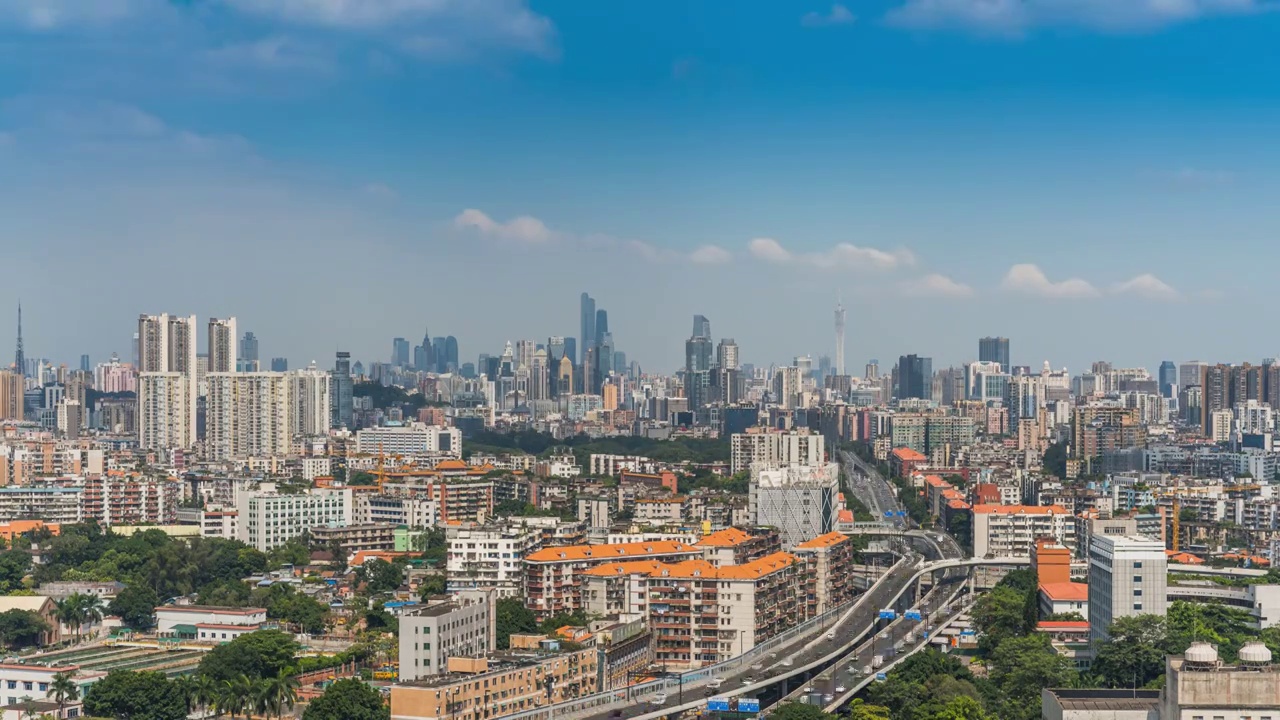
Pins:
x,y
67,611
91,610
236,696
278,694
63,690
204,692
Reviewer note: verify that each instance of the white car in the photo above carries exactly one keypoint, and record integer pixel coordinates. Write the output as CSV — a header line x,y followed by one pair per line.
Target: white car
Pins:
x,y
747,680
831,636
659,699
841,689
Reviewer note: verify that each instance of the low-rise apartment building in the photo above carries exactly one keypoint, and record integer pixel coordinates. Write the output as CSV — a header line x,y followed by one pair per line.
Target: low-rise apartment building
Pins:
x,y
1012,530
351,539
490,558
827,581
735,546
268,519
486,688
460,626
700,614
552,582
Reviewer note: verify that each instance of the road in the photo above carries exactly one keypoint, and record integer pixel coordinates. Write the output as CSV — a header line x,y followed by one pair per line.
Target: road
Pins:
x,y
891,639
867,485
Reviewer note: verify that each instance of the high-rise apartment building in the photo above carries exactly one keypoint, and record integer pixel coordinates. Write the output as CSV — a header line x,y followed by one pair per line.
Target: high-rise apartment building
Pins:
x,y
798,500
340,392
310,401
167,383
727,354
247,415
995,349
770,448
1128,575
222,345
12,392
697,364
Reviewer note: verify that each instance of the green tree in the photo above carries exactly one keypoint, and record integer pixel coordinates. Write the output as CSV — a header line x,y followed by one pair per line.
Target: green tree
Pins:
x,y
800,711
264,653
962,708
14,565
433,585
860,710
21,628
1134,655
128,695
1020,667
381,575
348,700
136,606
511,616
998,616
278,694
235,696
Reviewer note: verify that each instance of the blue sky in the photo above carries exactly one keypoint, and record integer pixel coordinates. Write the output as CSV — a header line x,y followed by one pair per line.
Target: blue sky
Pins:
x,y
1092,178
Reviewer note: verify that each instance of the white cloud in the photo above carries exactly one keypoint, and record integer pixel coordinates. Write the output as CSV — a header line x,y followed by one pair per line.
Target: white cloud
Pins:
x,y
1199,177
431,28
839,15
277,52
1015,17
381,191
1030,279
523,230
769,250
936,285
710,255
842,256
1146,286
48,15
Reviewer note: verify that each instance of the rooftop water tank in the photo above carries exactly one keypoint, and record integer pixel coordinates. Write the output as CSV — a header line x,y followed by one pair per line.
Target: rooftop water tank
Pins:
x,y
1202,653
1255,653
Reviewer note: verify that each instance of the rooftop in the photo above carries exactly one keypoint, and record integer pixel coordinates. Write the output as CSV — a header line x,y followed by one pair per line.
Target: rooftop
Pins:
x,y
727,537
831,539
604,552
1072,699
1066,592
1020,510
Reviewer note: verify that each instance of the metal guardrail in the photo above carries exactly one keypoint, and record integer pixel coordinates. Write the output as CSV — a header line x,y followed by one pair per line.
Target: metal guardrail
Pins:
x,y
626,697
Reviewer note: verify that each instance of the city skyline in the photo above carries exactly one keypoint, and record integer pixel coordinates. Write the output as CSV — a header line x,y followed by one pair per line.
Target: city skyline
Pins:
x,y
942,170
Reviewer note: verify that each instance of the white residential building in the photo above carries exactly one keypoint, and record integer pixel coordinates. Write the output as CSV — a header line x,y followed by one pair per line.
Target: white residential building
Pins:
x,y
771,448
51,503
309,401
268,519
605,464
490,558
413,439
314,467
247,415
1128,575
167,403
799,500
222,345
166,410
415,512
1012,530
463,626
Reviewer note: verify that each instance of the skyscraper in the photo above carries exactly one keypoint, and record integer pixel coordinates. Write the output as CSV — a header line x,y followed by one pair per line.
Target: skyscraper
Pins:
x,y
438,353
587,312
340,392
400,352
19,356
279,364
222,345
840,316
995,349
697,363
915,377
451,354
1128,575
1168,379
602,325
727,354
249,352
701,327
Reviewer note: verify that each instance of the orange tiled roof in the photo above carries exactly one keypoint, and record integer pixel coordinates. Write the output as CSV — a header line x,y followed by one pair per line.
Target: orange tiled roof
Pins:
x,y
451,465
957,504
604,552
830,539
727,537
936,481
905,453
690,569
1183,558
1081,625
1021,509
845,516
1065,592
639,567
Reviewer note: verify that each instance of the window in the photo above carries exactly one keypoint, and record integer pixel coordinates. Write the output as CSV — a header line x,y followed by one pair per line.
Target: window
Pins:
x,y
1137,565
1137,606
1137,593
